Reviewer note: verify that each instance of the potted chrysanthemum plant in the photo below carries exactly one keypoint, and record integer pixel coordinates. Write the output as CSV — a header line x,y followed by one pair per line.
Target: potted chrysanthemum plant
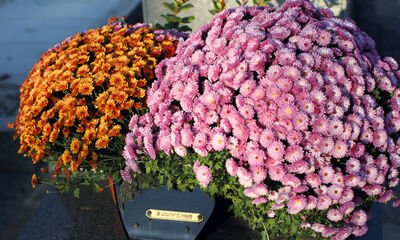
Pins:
x,y
77,101
290,113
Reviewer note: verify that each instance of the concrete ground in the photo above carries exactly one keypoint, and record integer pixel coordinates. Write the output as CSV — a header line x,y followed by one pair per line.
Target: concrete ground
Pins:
x,y
27,29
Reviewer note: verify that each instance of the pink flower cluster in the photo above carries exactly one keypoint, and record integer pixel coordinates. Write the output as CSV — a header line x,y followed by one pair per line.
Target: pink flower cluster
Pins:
x,y
291,94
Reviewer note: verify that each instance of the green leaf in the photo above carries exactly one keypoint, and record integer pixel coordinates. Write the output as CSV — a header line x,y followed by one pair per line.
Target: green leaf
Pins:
x,y
169,184
170,6
186,7
171,18
188,19
158,26
76,192
185,28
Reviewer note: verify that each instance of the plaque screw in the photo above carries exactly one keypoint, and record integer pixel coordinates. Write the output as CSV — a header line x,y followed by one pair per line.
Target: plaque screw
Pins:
x,y
148,213
187,229
200,217
136,225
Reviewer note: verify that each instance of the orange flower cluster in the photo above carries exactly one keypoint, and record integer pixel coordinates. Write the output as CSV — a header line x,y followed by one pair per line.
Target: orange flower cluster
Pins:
x,y
74,98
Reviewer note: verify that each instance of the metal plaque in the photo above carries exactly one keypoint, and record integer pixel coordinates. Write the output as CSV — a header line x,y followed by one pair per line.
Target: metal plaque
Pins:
x,y
174,215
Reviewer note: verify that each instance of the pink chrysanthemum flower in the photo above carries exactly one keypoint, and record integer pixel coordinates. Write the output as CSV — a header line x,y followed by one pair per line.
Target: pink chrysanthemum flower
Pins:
x,y
329,232
304,43
307,106
326,145
347,208
299,167
326,174
126,175
335,192
366,136
360,231
276,150
284,84
231,166
351,180
340,149
259,200
334,215
323,38
247,87
200,140
291,180
307,59
357,150
379,138
296,204
346,45
241,132
276,172
300,121
393,182
258,93
244,177
359,218
260,189
396,203
177,90
180,150
274,72
273,93
246,111
256,158
317,227
258,173
211,117
249,192
313,179
353,165
285,56
218,141
267,117
203,175
371,172
335,127
321,125
294,137
287,111
337,179
294,153
323,202
186,137
311,202
210,99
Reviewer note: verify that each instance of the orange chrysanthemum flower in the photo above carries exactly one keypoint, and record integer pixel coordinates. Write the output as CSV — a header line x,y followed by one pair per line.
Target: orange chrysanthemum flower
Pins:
x,y
34,180
77,96
75,146
66,157
82,112
102,142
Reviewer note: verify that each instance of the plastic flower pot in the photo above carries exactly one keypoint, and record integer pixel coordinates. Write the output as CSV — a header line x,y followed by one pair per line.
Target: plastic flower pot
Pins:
x,y
164,214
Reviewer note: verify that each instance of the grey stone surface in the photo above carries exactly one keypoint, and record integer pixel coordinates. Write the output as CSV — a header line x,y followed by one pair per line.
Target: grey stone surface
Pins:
x,y
9,99
10,160
17,202
50,221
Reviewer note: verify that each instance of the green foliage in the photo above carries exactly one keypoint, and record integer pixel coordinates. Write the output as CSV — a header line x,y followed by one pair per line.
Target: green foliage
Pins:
x,y
176,172
219,5
261,2
241,2
173,20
